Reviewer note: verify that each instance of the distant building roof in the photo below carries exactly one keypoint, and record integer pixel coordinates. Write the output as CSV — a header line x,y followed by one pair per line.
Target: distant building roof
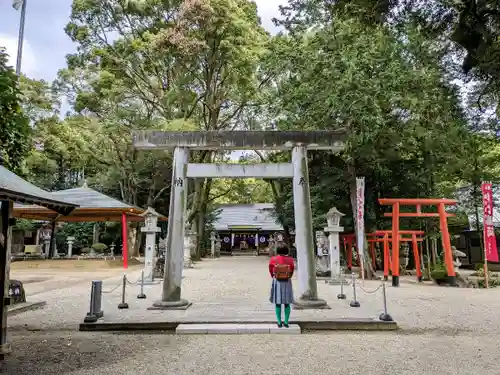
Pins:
x,y
258,215
14,188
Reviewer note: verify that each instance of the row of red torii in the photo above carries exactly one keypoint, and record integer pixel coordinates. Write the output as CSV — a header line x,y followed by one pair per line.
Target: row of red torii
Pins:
x,y
391,239
383,237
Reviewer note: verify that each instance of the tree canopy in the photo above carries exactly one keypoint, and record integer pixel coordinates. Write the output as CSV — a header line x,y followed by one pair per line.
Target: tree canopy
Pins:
x,y
392,73
14,124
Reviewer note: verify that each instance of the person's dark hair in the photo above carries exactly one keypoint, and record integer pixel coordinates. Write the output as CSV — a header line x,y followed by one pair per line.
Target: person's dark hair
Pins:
x,y
282,250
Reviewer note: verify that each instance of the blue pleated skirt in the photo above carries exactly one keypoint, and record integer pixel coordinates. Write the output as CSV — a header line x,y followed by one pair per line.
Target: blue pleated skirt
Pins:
x,y
281,292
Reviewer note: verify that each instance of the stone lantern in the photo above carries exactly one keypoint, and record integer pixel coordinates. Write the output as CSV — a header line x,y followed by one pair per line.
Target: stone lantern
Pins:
x,y
70,240
150,228
333,229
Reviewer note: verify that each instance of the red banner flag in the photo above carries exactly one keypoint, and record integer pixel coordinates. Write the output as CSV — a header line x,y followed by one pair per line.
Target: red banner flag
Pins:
x,y
490,242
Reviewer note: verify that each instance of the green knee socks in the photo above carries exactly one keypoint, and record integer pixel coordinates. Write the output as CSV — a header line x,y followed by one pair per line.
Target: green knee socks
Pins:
x,y
288,310
278,313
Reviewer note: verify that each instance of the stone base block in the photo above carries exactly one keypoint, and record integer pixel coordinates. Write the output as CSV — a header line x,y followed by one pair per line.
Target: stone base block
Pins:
x,y
234,329
334,282
170,305
317,304
5,349
323,273
26,306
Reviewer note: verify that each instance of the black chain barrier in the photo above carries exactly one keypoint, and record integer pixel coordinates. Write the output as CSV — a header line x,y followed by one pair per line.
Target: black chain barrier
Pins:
x,y
385,316
96,292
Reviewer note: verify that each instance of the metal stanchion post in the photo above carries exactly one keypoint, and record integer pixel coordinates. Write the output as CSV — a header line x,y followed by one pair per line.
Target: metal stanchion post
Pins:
x,y
141,294
341,295
385,317
354,302
91,316
98,298
123,304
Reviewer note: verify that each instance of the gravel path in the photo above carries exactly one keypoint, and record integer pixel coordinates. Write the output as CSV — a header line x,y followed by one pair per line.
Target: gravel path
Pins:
x,y
338,353
445,331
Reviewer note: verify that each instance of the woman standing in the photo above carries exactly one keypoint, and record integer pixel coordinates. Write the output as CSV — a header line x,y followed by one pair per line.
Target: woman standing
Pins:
x,y
281,268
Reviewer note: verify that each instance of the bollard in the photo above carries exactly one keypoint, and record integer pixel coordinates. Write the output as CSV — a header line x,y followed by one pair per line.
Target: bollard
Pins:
x,y
341,295
91,316
354,302
141,295
123,304
97,285
385,317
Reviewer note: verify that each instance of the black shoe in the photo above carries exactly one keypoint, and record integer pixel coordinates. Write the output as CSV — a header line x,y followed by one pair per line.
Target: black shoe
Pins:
x,y
286,325
279,325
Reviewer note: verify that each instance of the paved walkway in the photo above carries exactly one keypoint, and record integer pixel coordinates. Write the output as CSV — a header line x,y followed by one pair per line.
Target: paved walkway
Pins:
x,y
444,330
238,287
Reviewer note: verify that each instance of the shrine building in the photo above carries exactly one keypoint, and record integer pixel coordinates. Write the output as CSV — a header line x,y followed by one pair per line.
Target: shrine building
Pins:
x,y
246,228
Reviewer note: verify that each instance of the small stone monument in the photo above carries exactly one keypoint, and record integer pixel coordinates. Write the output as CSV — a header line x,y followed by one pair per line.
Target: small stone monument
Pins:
x,y
189,247
16,292
212,244
150,228
218,245
159,268
271,245
333,229
45,237
112,249
457,254
70,240
322,255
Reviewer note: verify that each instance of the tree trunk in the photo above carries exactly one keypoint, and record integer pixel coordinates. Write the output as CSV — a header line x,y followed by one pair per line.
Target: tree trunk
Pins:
x,y
201,217
193,217
434,250
95,233
351,170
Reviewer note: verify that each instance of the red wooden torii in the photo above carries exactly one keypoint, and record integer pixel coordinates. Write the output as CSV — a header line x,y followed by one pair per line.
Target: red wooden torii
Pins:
x,y
383,236
396,203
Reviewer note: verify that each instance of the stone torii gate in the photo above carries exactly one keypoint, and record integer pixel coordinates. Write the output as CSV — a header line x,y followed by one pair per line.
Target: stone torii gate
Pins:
x,y
182,142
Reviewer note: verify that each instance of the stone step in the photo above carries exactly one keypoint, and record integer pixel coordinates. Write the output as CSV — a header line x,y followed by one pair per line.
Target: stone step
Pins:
x,y
234,328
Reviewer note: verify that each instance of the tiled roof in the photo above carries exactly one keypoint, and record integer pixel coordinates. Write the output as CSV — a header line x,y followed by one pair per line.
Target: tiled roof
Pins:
x,y
257,215
89,198
15,188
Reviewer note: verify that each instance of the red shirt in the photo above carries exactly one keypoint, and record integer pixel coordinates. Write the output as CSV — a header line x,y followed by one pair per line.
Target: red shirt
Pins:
x,y
282,259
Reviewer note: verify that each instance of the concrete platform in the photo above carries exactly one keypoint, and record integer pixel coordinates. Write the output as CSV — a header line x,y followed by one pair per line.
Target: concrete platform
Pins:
x,y
345,324
25,306
235,290
235,328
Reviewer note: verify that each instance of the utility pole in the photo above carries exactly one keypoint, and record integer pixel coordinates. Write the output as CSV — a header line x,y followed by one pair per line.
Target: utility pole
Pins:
x,y
16,4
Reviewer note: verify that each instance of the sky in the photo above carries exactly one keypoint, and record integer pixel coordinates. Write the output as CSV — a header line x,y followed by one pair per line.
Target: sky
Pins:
x,y
45,42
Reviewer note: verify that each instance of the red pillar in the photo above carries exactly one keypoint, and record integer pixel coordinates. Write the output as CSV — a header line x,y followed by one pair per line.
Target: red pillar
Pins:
x,y
416,256
125,241
445,237
386,256
395,244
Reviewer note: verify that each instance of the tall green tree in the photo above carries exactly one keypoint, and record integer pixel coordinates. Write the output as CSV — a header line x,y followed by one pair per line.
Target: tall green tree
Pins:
x,y
168,65
15,141
404,123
